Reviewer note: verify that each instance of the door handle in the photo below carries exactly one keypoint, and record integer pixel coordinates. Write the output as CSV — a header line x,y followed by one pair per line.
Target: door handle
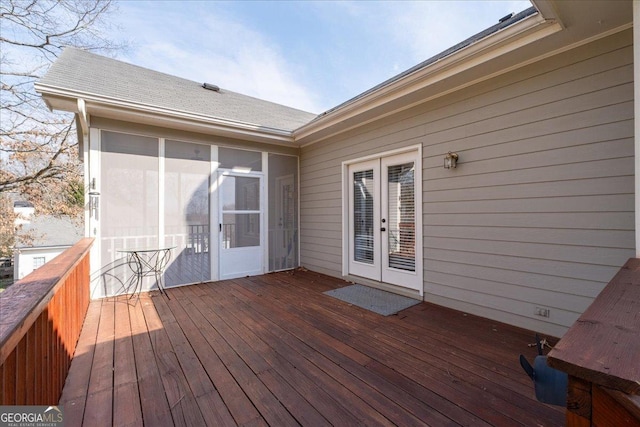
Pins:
x,y
383,229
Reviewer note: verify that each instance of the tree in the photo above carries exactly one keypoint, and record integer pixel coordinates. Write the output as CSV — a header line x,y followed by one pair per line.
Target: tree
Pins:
x,y
38,148
7,218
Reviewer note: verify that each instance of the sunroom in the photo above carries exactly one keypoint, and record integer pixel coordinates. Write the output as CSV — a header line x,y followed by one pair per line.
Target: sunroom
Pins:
x,y
222,212
178,167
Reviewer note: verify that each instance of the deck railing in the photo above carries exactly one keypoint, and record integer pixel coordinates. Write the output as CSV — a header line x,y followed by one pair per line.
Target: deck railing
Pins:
x,y
601,354
41,317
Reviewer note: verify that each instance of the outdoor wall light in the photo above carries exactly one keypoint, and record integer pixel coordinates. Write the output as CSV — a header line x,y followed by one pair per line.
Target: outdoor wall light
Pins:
x,y
450,160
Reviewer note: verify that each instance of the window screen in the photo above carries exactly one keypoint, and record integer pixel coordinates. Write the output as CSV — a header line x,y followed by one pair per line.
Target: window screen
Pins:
x,y
283,212
128,205
186,211
248,161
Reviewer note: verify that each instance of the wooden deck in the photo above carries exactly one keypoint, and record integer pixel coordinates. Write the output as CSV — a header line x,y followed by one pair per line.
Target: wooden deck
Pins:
x,y
273,350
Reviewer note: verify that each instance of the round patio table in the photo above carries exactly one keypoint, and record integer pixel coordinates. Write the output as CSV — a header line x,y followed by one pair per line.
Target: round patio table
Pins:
x,y
148,262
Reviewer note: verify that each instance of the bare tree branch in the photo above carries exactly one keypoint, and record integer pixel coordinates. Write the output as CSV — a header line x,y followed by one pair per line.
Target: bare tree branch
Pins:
x,y
39,149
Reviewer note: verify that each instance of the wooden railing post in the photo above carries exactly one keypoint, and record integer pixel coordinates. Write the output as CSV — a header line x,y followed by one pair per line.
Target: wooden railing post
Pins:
x,y
41,317
601,354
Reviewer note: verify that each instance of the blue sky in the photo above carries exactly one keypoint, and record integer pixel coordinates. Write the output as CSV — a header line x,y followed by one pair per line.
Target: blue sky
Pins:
x,y
311,55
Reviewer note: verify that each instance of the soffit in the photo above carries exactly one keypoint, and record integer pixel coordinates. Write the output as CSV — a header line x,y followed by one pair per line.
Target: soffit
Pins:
x,y
158,117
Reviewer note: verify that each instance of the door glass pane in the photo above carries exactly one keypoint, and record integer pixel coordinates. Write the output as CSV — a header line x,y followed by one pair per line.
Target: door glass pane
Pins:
x,y
240,193
401,217
240,230
186,212
363,216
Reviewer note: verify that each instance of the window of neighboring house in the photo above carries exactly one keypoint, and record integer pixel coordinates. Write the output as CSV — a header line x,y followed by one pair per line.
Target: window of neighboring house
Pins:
x,y
38,261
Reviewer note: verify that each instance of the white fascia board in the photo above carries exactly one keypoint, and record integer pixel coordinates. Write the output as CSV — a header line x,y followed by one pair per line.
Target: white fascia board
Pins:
x,y
205,126
547,9
27,249
197,122
529,30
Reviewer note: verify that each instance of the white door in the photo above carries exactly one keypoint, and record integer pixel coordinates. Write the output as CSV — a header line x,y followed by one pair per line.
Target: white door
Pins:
x,y
240,228
383,219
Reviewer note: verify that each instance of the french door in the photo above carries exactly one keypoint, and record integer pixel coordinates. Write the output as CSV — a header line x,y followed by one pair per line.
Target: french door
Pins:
x,y
383,200
240,229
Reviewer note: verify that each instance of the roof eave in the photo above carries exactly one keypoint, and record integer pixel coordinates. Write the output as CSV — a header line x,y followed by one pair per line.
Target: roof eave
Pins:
x,y
526,31
69,100
39,248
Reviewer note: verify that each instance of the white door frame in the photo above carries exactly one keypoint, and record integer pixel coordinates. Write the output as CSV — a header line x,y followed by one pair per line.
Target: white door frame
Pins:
x,y
410,280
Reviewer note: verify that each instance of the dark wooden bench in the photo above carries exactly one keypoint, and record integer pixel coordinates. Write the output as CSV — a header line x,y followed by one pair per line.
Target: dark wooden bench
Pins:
x,y
601,355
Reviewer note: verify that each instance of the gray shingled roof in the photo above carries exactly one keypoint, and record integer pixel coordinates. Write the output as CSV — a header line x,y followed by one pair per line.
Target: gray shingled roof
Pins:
x,y
47,230
503,23
85,72
80,71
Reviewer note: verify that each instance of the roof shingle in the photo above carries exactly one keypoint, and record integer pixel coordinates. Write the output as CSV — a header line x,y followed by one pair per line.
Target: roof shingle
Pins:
x,y
80,71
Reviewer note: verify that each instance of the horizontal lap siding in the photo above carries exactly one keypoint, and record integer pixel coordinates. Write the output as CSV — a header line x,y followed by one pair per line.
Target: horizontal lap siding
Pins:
x,y
320,240
539,212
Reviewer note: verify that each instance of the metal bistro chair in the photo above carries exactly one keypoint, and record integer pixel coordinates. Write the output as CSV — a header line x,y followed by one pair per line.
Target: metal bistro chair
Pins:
x,y
550,384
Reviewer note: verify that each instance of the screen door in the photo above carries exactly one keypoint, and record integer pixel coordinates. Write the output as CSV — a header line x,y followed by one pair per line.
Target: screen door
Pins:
x,y
240,230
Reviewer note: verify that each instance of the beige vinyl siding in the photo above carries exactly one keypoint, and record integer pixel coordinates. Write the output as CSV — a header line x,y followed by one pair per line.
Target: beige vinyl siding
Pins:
x,y
539,212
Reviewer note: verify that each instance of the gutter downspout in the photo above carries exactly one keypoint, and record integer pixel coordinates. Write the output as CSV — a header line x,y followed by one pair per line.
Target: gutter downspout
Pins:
x,y
82,128
82,125
83,118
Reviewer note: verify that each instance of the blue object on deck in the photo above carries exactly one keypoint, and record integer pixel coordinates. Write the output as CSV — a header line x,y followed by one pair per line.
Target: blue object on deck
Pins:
x,y
550,384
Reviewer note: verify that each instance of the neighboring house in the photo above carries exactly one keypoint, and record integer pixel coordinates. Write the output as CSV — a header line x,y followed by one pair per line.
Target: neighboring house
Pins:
x,y
24,211
535,219
42,239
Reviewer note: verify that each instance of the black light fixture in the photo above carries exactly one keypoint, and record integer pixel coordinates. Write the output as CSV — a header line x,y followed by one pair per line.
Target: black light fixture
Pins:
x,y
450,160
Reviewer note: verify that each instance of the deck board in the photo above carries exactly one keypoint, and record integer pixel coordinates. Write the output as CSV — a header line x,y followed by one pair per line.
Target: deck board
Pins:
x,y
201,339
153,399
126,396
326,375
332,319
74,395
341,368
100,390
274,350
245,364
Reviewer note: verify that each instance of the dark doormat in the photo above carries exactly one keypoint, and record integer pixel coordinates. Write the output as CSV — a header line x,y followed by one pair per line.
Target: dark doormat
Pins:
x,y
376,300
